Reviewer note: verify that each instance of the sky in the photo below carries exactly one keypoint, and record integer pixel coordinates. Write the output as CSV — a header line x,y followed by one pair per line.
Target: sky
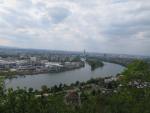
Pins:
x,y
105,26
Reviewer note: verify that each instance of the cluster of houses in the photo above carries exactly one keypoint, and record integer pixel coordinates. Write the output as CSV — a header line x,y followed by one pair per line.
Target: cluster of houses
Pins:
x,y
76,94
37,66
139,84
74,97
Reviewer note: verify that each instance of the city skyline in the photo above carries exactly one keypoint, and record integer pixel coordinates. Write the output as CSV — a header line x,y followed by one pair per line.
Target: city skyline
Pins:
x,y
110,26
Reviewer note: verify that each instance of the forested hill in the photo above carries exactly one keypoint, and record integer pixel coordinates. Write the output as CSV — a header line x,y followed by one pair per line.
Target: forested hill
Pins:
x,y
138,70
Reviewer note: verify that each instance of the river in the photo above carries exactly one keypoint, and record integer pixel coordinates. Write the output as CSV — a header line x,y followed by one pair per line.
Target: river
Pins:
x,y
68,77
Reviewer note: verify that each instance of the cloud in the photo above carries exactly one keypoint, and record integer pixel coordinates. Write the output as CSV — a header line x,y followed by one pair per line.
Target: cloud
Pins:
x,y
116,26
4,42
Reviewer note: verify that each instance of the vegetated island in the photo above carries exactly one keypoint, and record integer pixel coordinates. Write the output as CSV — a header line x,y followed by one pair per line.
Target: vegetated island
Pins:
x,y
94,63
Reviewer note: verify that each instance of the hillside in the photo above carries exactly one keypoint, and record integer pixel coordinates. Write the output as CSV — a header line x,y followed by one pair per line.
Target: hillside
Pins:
x,y
130,93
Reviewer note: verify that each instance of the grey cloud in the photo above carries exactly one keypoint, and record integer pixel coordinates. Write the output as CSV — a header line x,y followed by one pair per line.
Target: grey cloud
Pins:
x,y
58,14
55,15
116,26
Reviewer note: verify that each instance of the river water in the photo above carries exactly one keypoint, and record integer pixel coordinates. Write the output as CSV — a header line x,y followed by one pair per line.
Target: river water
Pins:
x,y
68,77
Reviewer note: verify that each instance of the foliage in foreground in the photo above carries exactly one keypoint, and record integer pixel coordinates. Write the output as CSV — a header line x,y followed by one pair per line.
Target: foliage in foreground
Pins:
x,y
125,100
137,70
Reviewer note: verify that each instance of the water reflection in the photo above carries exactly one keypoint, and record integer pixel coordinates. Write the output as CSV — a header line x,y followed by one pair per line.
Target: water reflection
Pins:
x,y
68,77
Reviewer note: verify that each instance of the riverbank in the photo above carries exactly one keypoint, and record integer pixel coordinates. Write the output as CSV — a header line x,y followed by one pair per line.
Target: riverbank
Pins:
x,y
68,77
93,63
33,72
98,95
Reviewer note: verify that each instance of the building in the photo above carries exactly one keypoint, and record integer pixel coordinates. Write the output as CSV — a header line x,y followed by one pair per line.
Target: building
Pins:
x,y
72,98
33,59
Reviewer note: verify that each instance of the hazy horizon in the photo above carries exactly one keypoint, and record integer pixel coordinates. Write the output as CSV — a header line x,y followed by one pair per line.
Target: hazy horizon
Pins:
x,y
10,47
110,26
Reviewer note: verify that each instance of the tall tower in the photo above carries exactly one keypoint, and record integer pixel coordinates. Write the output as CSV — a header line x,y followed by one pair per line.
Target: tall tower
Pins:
x,y
84,54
